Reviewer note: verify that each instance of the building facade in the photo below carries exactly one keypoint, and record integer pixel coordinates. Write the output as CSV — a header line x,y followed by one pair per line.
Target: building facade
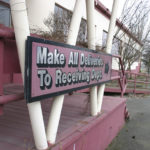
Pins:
x,y
38,16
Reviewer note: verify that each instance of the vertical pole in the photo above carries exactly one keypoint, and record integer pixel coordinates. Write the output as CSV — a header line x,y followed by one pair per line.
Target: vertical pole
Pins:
x,y
54,118
134,84
75,22
21,28
108,48
91,45
1,65
37,123
58,101
112,26
146,81
123,85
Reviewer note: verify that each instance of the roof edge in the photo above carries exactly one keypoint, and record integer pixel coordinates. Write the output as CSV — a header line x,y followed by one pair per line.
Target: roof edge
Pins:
x,y
103,10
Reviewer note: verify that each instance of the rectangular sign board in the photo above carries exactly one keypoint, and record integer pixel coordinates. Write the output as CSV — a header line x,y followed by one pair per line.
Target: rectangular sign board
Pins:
x,y
55,68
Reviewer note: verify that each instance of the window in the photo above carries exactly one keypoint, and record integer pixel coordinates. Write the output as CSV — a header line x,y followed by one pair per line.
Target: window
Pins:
x,y
115,44
104,39
5,12
60,23
7,1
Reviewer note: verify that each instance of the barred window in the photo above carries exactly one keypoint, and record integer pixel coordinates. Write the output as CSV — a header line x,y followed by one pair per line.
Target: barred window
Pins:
x,y
115,44
5,17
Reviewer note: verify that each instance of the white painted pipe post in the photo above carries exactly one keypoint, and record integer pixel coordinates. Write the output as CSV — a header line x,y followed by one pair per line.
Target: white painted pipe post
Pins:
x,y
54,118
75,22
100,94
55,114
108,47
37,123
112,26
21,28
91,45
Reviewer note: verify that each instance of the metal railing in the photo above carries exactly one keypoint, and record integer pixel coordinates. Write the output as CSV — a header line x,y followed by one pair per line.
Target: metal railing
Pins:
x,y
136,82
140,82
120,76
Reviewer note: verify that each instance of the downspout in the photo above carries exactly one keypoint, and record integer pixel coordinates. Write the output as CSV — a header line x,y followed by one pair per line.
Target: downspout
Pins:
x,y
108,47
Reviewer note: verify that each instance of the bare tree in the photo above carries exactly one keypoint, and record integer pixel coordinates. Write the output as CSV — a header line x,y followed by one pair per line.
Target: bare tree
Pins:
x,y
133,22
58,27
146,60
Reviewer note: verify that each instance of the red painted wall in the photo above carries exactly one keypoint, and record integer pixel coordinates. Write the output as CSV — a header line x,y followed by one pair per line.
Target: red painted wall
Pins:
x,y
9,62
100,135
1,66
97,134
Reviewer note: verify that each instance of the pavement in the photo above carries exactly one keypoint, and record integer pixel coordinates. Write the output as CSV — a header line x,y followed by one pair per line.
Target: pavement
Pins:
x,y
135,135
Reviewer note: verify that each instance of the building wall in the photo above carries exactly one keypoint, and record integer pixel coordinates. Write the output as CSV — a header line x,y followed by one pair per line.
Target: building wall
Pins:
x,y
101,24
37,15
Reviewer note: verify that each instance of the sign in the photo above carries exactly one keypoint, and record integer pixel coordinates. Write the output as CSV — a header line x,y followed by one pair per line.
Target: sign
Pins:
x,y
55,68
